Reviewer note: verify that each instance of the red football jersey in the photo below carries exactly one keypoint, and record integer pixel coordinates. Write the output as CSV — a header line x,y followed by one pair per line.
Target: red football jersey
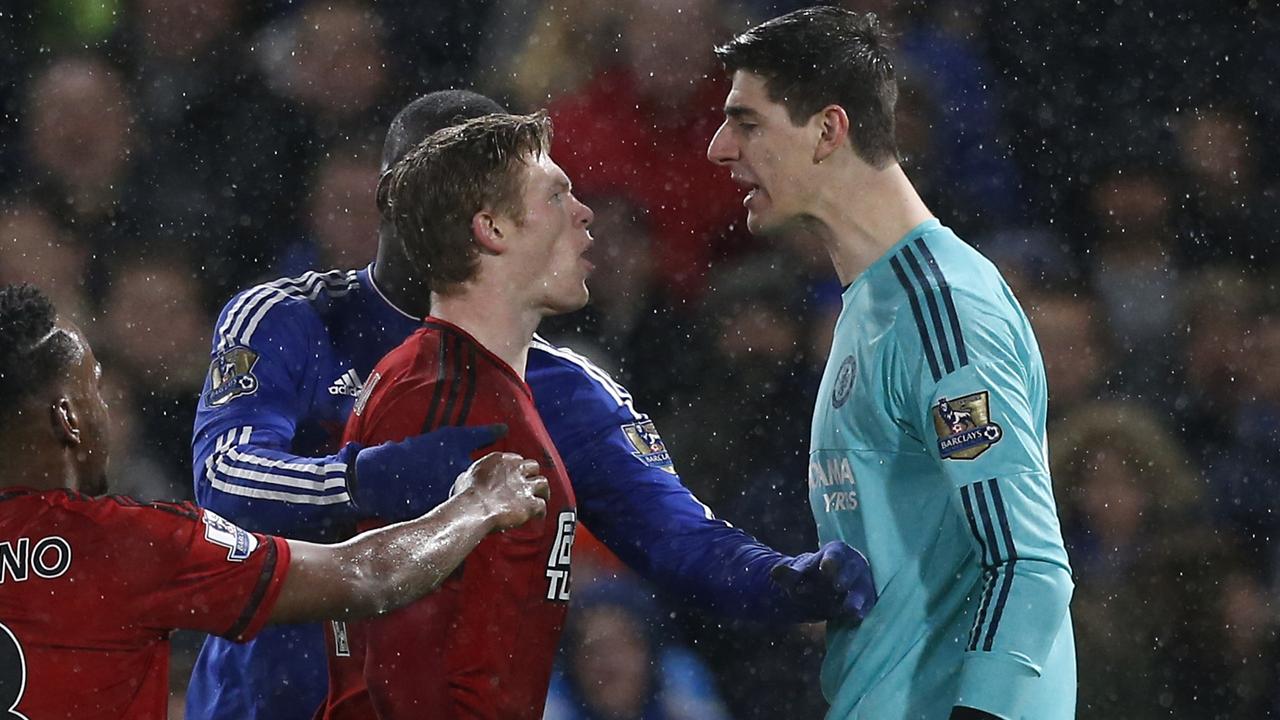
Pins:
x,y
90,589
483,644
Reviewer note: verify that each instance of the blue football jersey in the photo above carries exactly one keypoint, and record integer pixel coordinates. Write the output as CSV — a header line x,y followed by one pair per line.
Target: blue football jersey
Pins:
x,y
928,453
288,359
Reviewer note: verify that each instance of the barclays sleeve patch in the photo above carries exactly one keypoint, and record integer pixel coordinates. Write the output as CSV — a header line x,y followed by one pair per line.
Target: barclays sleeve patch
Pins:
x,y
648,445
239,542
231,375
964,426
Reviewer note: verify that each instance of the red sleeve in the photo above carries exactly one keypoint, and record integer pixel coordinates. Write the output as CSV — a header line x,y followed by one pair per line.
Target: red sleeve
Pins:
x,y
182,566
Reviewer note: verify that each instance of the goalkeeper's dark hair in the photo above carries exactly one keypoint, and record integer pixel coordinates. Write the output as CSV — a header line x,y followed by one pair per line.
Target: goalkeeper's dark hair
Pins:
x,y
33,350
820,56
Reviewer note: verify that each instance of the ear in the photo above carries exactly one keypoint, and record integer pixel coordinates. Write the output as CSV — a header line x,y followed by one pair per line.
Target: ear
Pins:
x,y
833,124
383,196
488,233
66,422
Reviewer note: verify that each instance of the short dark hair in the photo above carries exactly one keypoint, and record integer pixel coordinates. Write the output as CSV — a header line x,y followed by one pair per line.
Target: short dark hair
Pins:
x,y
429,113
432,193
821,56
33,350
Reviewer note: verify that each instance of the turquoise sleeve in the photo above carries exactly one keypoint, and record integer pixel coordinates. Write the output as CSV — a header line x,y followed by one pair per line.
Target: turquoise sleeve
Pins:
x,y
984,426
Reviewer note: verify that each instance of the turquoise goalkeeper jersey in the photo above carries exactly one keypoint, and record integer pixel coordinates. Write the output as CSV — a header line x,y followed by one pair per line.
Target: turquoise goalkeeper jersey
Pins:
x,y
929,455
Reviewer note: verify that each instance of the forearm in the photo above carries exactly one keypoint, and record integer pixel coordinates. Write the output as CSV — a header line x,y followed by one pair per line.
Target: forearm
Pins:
x,y
1016,631
381,570
697,558
268,490
1020,605
400,563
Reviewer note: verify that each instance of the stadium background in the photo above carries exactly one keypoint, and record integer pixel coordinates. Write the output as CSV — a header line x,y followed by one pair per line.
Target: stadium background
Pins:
x,y
1112,156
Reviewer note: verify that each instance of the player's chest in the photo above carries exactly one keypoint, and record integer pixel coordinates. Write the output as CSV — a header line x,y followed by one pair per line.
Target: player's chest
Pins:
x,y
852,407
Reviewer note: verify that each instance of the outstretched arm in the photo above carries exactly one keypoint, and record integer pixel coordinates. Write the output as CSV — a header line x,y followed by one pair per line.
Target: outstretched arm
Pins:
x,y
384,569
630,497
260,385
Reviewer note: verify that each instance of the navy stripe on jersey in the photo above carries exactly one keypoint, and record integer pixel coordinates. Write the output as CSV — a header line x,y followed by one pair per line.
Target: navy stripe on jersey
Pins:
x,y
934,314
943,352
435,418
259,591
470,395
1012,553
945,288
980,620
999,570
966,498
184,510
457,375
915,310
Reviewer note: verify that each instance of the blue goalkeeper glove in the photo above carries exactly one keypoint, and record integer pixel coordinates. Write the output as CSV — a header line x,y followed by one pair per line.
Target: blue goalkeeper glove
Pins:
x,y
833,583
401,480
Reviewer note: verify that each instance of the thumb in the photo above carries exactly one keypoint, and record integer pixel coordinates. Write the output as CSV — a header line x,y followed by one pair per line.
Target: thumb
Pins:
x,y
483,435
837,567
784,576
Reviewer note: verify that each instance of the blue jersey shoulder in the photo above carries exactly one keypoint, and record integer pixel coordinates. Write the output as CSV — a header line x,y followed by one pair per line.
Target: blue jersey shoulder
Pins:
x,y
584,409
306,294
561,378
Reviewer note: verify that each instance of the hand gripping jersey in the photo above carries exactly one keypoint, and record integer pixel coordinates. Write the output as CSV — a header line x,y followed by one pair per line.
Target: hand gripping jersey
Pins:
x,y
928,454
288,359
91,588
483,644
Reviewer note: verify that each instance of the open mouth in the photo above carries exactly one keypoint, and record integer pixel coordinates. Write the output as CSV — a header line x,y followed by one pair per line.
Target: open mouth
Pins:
x,y
753,188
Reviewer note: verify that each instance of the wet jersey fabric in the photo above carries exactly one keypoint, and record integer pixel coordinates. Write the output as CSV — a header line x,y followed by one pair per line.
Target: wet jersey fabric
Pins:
x,y
90,589
483,644
288,359
928,453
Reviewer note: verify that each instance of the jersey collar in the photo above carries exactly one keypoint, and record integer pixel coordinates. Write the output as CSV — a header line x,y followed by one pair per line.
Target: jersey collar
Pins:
x,y
874,268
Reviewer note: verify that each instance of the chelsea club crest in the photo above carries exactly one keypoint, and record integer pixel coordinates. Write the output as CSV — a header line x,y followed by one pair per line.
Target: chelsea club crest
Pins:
x,y
844,382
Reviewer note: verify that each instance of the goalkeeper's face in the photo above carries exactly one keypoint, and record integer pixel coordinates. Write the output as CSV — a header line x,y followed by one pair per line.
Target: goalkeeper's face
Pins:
x,y
766,154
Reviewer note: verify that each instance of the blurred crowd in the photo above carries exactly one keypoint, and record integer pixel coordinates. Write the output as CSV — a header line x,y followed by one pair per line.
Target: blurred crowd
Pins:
x,y
1111,157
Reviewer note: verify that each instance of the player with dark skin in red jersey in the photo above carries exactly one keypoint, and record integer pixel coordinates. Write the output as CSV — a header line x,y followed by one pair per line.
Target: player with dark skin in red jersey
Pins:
x,y
90,587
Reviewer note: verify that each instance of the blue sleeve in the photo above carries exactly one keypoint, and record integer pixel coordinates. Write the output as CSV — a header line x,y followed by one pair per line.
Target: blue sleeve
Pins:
x,y
985,423
630,497
258,387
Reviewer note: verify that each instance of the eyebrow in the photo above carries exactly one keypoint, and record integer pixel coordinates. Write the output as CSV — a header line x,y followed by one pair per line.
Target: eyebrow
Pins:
x,y
740,112
561,184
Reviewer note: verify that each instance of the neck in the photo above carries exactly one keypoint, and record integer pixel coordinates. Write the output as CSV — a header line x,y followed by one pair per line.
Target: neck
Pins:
x,y
861,216
504,328
394,276
23,463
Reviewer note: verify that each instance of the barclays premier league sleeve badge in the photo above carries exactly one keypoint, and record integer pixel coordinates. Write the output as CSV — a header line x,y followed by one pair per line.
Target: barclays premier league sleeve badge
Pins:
x,y
648,445
964,426
231,375
239,543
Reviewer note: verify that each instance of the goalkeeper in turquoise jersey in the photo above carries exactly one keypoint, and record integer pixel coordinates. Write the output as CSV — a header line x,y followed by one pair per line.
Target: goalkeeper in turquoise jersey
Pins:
x,y
928,445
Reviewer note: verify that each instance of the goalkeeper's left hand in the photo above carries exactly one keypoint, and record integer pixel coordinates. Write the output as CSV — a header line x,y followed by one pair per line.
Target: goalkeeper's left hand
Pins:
x,y
833,583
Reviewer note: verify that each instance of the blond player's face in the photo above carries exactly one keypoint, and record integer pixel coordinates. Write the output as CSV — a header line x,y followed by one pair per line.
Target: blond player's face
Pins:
x,y
553,238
